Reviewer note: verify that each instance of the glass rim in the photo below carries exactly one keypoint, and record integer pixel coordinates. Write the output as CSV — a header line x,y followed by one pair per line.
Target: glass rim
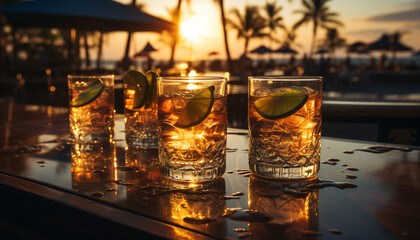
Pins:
x,y
192,79
285,78
90,76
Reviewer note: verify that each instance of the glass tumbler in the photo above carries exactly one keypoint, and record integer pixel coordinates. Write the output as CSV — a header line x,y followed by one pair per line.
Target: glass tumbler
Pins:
x,y
284,120
91,101
192,127
141,124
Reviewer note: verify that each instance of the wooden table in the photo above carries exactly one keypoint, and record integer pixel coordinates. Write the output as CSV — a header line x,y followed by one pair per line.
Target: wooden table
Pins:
x,y
55,189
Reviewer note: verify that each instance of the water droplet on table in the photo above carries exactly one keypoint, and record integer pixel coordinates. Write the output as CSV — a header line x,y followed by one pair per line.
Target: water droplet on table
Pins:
x,y
352,169
383,149
198,220
238,194
333,159
97,194
335,231
230,197
348,176
250,216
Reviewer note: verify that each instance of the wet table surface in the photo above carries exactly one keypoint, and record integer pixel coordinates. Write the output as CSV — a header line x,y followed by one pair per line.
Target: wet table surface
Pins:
x,y
359,193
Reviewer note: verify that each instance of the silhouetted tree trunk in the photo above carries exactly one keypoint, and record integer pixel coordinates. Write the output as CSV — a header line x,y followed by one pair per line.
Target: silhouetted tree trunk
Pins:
x,y
246,46
222,13
86,46
126,60
177,16
98,59
77,50
15,49
311,53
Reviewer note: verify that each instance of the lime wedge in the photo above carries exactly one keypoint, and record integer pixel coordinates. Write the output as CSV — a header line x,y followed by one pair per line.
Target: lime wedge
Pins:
x,y
281,104
88,95
137,80
152,93
197,108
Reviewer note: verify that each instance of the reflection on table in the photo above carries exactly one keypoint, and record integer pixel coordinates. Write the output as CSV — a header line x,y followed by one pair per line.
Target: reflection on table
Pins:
x,y
294,209
382,204
93,167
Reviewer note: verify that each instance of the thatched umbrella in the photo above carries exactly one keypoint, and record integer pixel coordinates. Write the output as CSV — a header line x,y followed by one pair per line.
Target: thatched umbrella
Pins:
x,y
86,15
261,50
146,50
286,49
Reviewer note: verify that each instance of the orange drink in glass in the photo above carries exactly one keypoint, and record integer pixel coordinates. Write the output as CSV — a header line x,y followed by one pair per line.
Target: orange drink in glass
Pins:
x,y
284,115
91,101
192,127
141,120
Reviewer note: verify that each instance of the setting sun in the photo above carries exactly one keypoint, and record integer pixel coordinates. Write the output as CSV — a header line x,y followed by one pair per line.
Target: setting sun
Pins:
x,y
193,28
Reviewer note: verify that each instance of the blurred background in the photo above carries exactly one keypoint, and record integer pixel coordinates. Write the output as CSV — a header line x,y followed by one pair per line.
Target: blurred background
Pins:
x,y
367,51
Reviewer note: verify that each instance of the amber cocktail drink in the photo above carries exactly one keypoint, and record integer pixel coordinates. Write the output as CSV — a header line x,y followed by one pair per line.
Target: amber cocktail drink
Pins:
x,y
91,101
284,116
141,120
193,121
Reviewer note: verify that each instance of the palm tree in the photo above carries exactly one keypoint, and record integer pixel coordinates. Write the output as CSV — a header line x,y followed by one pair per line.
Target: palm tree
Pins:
x,y
395,41
223,18
273,19
126,60
249,26
333,41
172,38
290,37
175,17
317,12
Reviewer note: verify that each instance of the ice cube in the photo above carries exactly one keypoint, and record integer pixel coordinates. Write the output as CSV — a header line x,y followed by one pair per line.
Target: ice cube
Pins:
x,y
308,89
189,95
167,106
178,102
276,91
261,92
294,121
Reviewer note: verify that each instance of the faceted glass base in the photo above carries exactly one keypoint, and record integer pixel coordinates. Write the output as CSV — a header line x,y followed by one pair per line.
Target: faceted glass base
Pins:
x,y
146,142
284,172
192,175
84,137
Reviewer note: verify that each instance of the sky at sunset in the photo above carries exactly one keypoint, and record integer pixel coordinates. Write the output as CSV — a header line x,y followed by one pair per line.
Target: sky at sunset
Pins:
x,y
364,21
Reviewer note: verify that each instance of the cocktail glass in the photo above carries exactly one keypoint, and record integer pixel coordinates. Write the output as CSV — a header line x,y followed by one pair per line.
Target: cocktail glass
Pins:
x,y
91,101
141,124
192,127
284,115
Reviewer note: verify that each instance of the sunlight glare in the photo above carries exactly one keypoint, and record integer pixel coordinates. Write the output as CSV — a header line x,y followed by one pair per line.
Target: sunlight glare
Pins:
x,y
192,86
192,73
193,28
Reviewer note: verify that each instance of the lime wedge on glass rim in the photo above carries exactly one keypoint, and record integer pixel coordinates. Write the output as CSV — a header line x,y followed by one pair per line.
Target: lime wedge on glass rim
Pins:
x,y
197,108
89,94
152,93
281,104
137,80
